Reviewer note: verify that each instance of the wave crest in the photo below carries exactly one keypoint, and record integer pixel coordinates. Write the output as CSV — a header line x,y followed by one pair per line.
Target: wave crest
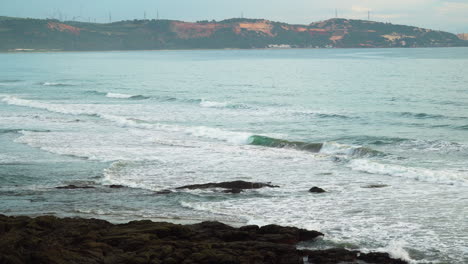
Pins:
x,y
126,96
56,84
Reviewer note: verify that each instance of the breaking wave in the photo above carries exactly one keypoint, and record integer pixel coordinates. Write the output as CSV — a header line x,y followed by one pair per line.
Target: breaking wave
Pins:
x,y
56,84
331,148
13,130
449,177
320,114
214,104
372,140
126,96
430,116
197,131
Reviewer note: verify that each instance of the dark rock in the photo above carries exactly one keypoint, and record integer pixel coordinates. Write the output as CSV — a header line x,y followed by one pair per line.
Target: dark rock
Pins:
x,y
232,190
376,186
339,255
72,186
164,192
242,185
48,239
316,190
115,186
379,258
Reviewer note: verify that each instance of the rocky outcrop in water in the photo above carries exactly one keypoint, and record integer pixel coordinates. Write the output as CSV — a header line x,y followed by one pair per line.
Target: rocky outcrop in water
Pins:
x,y
316,189
232,185
339,255
72,187
48,239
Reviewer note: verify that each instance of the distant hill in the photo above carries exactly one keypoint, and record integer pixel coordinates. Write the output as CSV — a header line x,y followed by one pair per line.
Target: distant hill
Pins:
x,y
19,34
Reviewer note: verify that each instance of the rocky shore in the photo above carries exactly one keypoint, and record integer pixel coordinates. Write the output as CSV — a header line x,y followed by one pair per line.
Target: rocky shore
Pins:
x,y
48,239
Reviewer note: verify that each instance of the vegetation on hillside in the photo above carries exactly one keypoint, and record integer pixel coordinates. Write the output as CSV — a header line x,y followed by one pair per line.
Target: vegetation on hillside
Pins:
x,y
40,34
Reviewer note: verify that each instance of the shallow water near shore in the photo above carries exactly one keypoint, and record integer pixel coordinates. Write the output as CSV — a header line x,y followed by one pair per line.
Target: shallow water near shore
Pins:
x,y
339,119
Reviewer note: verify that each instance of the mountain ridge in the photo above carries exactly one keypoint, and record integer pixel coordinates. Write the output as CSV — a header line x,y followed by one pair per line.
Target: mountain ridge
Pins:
x,y
25,34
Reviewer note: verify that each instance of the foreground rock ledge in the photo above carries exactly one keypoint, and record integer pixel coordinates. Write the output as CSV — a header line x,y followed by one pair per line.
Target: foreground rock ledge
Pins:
x,y
48,239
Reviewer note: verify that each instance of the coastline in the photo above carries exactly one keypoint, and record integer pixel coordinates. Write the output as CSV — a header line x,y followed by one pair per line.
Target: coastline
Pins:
x,y
48,239
225,49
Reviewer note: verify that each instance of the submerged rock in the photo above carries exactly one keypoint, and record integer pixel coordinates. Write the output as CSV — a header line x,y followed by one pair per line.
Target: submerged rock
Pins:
x,y
115,186
164,192
316,189
72,186
241,185
376,186
48,239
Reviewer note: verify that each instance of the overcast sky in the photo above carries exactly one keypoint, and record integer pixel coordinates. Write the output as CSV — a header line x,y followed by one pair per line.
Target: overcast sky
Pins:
x,y
448,15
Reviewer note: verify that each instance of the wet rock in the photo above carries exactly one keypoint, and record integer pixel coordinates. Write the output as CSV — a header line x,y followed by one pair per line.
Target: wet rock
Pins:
x,y
376,186
242,185
72,186
48,239
164,192
338,255
115,186
316,189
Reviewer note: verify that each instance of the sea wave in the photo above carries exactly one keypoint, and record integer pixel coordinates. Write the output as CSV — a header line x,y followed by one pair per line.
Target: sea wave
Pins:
x,y
9,82
330,148
430,116
126,96
440,146
215,104
19,130
319,114
372,140
56,84
449,177
197,131
57,108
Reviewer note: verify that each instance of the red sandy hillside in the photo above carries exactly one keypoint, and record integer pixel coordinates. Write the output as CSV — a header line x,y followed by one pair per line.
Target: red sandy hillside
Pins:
x,y
63,28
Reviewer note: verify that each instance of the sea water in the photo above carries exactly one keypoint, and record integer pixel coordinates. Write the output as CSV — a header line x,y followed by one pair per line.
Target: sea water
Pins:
x,y
154,120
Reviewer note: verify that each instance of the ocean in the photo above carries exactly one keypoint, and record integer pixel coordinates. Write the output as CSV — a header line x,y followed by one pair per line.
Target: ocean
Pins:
x,y
389,126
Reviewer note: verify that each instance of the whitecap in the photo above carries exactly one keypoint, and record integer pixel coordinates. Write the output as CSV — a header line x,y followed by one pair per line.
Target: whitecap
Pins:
x,y
421,174
213,104
118,95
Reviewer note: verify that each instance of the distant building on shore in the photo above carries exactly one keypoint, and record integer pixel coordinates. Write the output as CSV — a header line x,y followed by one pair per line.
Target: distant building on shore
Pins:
x,y
463,36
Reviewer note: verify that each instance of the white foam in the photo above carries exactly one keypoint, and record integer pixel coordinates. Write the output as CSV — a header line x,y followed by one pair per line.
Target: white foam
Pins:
x,y
55,84
420,174
439,146
213,104
118,95
334,148
58,108
396,250
49,83
78,109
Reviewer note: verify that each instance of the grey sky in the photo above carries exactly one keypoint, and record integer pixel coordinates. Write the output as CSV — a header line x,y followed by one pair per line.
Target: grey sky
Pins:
x,y
448,15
